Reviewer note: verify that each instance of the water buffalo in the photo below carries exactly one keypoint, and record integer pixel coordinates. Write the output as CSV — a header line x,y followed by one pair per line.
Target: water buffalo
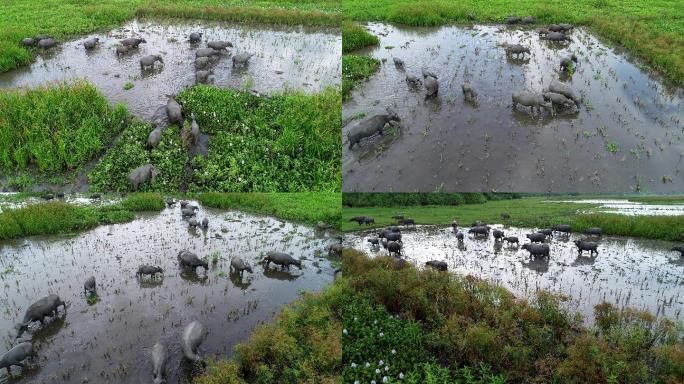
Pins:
x,y
557,37
202,77
375,241
194,129
16,355
369,127
498,234
195,37
510,20
437,264
546,232
427,73
480,231
558,100
594,231
413,81
558,87
89,287
193,335
537,237
47,43
189,259
122,50
154,138
393,236
468,92
393,247
533,100
680,249
368,220
407,222
45,307
238,266
206,52
431,86
398,62
282,259
27,42
142,175
454,225
586,246
564,228
149,61
516,50
219,44
241,59
132,42
173,112
148,270
529,20
91,43
511,240
188,212
205,223
537,249
202,62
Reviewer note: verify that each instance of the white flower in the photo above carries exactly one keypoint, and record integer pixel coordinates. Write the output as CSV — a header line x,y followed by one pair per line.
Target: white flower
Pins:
x,y
357,382
381,362
385,379
401,375
375,322
377,370
386,368
345,331
372,381
394,351
367,364
353,365
382,334
356,318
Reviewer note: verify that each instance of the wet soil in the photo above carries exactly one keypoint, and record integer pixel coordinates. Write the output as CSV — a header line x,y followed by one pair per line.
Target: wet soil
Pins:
x,y
627,272
111,340
285,58
626,135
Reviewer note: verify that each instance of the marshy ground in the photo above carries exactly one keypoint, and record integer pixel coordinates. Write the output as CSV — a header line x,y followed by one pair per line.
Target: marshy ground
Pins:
x,y
626,134
111,339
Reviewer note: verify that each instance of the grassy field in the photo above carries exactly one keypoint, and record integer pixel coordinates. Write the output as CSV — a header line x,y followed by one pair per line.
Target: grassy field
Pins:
x,y
525,212
66,19
651,30
355,36
287,142
57,128
305,207
355,69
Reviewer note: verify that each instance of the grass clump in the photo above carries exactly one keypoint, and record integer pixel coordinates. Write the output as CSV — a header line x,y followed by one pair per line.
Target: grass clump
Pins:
x,y
57,128
654,32
286,142
143,202
355,36
304,207
467,322
130,152
356,69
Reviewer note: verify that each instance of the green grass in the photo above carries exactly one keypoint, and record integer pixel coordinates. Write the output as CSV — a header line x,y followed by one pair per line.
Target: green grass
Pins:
x,y
286,142
130,151
651,30
525,212
66,19
464,321
304,207
57,217
355,36
57,128
143,202
356,69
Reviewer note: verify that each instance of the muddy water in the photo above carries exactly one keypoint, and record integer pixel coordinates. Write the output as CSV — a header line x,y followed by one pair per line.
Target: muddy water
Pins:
x,y
627,272
626,136
629,208
111,340
293,57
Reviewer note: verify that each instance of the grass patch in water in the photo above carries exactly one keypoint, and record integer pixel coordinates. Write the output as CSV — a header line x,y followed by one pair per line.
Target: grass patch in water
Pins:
x,y
143,202
57,128
130,151
66,19
532,212
304,207
653,30
356,69
288,142
355,36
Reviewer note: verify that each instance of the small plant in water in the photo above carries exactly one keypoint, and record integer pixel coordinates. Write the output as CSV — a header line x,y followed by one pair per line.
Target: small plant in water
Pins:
x,y
612,147
215,257
128,86
92,298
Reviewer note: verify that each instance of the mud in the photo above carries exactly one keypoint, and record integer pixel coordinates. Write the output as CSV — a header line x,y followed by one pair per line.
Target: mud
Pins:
x,y
627,272
626,136
111,340
285,58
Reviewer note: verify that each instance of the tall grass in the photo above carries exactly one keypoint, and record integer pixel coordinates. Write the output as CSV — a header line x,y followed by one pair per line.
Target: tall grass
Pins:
x,y
356,69
354,37
467,321
304,207
651,30
143,202
56,217
387,199
286,142
55,128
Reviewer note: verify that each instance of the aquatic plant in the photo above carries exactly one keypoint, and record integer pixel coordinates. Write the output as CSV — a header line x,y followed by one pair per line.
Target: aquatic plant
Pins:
x,y
356,69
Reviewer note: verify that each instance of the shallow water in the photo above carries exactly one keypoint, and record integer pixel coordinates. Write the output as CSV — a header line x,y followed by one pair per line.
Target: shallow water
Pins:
x,y
629,208
112,339
626,136
286,57
6,202
628,272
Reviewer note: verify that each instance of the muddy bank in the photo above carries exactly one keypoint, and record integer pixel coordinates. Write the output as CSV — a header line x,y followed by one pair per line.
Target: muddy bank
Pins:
x,y
625,136
627,272
112,339
285,58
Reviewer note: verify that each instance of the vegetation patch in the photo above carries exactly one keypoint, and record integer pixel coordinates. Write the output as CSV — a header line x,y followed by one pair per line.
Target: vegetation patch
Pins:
x,y
66,19
654,33
57,217
284,142
304,207
467,322
356,69
355,37
57,128
130,151
143,202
